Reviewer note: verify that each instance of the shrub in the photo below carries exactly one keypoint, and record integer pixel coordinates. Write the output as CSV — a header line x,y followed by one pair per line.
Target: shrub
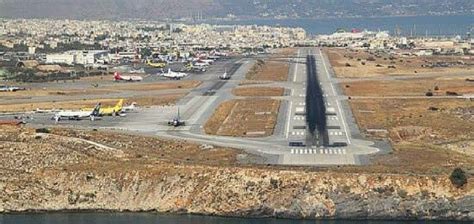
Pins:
x,y
43,130
458,178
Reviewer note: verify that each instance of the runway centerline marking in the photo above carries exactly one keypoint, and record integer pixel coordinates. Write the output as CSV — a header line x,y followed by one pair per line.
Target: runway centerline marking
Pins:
x,y
337,101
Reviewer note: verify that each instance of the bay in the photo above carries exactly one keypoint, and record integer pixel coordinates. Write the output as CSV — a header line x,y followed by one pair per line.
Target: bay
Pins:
x,y
408,25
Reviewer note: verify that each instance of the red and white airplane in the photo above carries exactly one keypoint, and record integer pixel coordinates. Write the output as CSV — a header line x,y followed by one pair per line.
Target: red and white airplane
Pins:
x,y
119,77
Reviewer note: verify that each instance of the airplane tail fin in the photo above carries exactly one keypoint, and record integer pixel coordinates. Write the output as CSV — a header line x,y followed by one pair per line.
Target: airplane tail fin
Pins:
x,y
96,111
119,104
117,76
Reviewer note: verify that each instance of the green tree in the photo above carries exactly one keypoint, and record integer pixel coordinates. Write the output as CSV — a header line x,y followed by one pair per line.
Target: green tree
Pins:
x,y
458,178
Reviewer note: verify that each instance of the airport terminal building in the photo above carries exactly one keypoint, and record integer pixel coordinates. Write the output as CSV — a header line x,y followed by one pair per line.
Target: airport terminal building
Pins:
x,y
77,57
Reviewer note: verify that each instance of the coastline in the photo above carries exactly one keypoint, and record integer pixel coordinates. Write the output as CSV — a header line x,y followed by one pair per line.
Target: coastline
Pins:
x,y
242,192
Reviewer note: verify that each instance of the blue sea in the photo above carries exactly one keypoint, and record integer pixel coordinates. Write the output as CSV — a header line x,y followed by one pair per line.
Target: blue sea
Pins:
x,y
409,25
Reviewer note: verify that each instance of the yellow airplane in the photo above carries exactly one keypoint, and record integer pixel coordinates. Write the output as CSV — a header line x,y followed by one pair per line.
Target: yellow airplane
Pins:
x,y
109,111
156,65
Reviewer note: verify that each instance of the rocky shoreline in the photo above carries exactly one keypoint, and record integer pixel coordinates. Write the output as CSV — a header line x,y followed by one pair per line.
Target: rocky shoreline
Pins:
x,y
100,172
244,192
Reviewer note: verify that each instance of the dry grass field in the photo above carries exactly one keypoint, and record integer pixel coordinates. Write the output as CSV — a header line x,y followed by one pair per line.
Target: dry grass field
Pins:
x,y
258,91
265,70
429,136
417,120
144,101
244,118
408,87
358,63
53,98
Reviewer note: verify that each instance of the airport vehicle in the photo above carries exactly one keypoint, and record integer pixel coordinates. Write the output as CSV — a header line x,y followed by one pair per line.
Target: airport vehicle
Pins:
x,y
156,64
109,111
200,62
174,75
224,76
78,115
176,122
119,77
137,71
222,54
214,57
10,88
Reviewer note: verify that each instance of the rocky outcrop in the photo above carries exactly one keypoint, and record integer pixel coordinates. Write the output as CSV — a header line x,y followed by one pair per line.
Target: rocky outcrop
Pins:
x,y
103,171
242,192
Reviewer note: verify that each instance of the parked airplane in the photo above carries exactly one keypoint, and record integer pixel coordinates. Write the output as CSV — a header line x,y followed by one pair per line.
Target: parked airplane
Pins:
x,y
77,115
208,61
156,64
195,68
176,122
130,107
10,88
119,77
109,111
224,76
174,75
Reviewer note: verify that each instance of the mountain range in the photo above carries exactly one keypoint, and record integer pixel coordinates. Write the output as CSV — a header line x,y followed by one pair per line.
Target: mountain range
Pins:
x,y
174,9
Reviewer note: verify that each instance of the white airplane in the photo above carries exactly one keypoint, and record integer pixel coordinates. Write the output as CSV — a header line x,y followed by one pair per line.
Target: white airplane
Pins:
x,y
119,77
224,76
201,64
130,107
78,115
174,75
208,61
10,88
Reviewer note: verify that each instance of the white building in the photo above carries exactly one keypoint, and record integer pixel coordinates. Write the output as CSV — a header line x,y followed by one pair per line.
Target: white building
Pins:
x,y
68,59
78,57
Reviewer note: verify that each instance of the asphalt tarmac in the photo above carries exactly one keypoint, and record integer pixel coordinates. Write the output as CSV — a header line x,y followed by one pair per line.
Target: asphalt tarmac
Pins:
x,y
199,104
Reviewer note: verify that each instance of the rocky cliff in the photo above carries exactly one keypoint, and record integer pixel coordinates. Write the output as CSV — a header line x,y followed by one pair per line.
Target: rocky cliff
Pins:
x,y
77,174
241,192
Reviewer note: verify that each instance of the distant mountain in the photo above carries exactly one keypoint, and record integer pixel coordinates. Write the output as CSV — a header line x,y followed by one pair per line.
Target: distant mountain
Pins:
x,y
162,9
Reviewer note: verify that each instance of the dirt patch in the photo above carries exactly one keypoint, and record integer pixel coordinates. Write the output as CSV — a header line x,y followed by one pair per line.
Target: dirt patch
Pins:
x,y
360,63
219,116
54,92
285,52
416,159
269,70
66,149
186,84
435,119
163,99
258,91
408,87
244,118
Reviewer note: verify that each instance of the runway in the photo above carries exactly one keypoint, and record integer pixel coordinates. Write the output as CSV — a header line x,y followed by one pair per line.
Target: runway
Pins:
x,y
287,146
